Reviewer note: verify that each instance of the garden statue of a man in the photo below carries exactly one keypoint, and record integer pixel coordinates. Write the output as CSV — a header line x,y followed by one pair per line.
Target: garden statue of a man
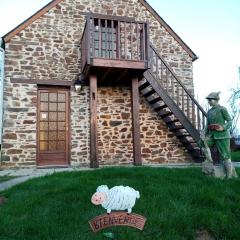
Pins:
x,y
216,132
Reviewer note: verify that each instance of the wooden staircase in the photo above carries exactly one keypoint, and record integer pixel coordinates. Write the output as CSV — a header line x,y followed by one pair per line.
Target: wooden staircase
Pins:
x,y
174,104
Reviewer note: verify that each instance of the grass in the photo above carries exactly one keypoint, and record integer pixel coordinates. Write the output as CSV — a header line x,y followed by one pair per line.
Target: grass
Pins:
x,y
235,156
5,178
176,202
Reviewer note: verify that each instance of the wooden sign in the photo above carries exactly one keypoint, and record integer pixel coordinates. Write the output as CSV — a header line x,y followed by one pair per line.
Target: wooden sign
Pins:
x,y
117,219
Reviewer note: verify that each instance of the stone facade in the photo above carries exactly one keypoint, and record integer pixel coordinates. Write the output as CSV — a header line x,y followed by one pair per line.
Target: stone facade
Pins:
x,y
48,49
115,126
19,126
158,144
80,128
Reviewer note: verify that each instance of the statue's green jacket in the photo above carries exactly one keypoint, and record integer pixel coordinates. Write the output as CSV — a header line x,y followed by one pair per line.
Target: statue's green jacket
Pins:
x,y
218,115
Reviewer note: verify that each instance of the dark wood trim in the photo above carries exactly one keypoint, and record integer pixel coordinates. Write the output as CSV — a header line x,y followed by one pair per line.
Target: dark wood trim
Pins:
x,y
93,122
37,128
107,72
68,130
135,123
42,82
114,63
124,72
169,29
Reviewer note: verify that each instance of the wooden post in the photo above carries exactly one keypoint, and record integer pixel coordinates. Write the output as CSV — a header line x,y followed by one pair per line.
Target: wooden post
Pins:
x,y
93,122
135,123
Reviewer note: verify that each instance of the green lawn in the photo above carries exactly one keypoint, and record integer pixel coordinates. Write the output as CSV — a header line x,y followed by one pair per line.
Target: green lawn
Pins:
x,y
5,178
176,202
236,156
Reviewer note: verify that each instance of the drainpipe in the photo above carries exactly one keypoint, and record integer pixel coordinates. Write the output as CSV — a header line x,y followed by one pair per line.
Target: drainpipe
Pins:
x,y
2,52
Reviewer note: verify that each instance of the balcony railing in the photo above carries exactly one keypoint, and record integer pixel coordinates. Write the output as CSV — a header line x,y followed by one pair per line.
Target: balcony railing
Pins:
x,y
120,39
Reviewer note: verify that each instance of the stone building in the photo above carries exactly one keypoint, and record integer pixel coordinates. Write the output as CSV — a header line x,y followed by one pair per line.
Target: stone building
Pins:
x,y
91,83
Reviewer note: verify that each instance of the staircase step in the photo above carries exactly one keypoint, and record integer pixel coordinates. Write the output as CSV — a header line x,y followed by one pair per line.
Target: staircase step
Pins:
x,y
155,100
170,119
144,85
180,134
158,106
149,93
164,113
187,139
175,127
191,147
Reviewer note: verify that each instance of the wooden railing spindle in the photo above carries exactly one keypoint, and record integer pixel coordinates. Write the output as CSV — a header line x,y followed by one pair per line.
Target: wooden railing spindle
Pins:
x,y
131,39
99,38
106,40
183,102
112,42
119,47
144,42
125,41
137,39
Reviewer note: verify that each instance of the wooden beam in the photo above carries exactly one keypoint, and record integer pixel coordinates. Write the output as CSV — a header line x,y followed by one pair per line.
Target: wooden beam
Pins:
x,y
93,122
106,74
112,63
124,72
42,82
135,123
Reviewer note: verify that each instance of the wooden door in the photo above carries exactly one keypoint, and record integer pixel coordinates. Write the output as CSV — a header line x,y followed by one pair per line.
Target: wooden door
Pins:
x,y
52,132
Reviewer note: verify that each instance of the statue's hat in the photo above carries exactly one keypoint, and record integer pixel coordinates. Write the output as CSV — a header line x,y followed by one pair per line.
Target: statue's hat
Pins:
x,y
213,95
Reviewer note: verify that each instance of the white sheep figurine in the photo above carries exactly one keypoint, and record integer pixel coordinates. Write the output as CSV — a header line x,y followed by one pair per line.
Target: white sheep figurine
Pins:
x,y
116,198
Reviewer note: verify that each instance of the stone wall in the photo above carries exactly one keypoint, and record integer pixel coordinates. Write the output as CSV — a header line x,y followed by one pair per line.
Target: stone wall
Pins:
x,y
48,49
159,145
19,126
80,128
114,126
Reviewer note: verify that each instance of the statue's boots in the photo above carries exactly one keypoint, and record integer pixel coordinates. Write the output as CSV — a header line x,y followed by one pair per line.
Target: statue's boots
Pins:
x,y
228,168
207,154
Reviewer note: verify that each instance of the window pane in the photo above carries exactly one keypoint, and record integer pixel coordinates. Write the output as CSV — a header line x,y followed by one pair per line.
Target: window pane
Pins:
x,y
43,125
43,135
52,106
52,97
61,126
61,135
43,116
52,126
52,135
52,145
44,106
61,107
44,96
43,146
53,116
61,97
61,116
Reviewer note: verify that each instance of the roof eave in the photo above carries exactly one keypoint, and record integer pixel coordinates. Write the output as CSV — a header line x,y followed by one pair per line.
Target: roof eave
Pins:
x,y
7,37
169,29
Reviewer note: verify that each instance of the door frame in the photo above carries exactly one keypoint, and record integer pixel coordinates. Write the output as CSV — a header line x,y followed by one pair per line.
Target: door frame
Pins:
x,y
68,129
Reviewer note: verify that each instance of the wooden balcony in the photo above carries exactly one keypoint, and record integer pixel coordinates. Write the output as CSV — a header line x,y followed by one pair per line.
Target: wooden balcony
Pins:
x,y
114,48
